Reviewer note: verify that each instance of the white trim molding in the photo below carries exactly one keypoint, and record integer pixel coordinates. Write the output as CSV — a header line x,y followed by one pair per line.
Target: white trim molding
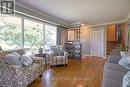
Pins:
x,y
108,23
51,19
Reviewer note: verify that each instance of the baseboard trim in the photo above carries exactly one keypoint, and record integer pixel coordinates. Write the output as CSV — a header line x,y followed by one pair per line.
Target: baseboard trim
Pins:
x,y
85,56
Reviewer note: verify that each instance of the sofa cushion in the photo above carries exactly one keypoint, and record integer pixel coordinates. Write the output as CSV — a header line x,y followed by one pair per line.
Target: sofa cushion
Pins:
x,y
114,59
125,62
115,53
114,74
32,69
26,60
55,58
107,82
115,66
13,59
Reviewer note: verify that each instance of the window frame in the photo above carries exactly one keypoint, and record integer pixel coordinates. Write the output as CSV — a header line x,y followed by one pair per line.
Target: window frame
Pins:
x,y
55,32
23,18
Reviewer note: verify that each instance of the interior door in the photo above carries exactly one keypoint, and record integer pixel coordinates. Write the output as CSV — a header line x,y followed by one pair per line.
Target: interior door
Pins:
x,y
97,43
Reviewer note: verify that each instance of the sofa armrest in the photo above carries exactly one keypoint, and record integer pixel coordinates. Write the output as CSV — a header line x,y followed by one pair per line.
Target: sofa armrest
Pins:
x,y
114,59
51,54
114,54
65,54
38,60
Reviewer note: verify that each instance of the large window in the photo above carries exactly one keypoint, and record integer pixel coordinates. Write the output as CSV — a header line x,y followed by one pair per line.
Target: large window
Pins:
x,y
10,32
50,35
17,32
33,34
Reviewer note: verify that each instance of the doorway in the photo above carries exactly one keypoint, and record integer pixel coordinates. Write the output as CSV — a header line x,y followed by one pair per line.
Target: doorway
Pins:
x,y
111,38
97,42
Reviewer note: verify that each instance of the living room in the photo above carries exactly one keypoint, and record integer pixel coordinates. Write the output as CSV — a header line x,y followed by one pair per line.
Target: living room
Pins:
x,y
64,43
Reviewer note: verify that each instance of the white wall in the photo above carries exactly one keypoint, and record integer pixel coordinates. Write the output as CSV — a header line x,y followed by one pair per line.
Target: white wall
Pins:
x,y
85,40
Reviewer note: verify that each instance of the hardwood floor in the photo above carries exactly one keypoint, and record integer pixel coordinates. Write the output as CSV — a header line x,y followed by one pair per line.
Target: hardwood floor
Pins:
x,y
85,73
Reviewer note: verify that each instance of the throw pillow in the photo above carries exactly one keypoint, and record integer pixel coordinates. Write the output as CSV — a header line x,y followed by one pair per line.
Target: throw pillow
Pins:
x,y
26,60
126,80
12,59
123,54
16,54
60,51
47,48
55,50
125,62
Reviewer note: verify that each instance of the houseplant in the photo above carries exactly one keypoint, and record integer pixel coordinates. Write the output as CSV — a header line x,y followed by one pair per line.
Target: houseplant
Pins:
x,y
128,41
125,49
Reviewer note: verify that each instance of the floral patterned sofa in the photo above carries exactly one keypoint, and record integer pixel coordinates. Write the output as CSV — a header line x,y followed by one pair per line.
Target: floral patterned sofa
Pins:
x,y
17,76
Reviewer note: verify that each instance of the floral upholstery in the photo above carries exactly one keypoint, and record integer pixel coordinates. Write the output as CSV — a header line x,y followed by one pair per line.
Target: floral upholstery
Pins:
x,y
38,60
17,76
58,59
3,53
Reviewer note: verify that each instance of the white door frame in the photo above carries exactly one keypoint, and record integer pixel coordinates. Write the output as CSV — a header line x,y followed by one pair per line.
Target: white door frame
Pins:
x,y
104,40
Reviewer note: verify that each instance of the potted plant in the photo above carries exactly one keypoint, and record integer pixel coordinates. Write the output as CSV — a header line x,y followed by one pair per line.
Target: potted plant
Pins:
x,y
125,49
128,40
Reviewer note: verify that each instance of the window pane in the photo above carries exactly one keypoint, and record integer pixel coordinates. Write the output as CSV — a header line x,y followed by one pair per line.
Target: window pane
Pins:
x,y
33,34
50,35
10,32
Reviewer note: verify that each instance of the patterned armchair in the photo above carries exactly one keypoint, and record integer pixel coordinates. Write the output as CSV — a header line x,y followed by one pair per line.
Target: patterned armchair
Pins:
x,y
58,56
17,76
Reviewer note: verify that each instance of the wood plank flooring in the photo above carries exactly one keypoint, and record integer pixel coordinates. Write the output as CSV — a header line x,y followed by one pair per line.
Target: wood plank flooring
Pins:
x,y
85,73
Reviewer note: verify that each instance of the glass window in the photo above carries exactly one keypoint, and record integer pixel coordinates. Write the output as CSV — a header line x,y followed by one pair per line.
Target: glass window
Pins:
x,y
33,34
50,35
10,32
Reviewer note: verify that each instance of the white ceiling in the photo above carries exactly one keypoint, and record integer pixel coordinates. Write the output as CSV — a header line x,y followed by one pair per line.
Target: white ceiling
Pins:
x,y
89,11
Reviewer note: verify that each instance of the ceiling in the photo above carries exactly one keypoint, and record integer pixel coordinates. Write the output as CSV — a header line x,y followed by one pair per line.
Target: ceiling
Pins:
x,y
88,11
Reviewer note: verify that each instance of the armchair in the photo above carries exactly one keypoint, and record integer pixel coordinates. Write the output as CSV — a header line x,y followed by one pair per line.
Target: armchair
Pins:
x,y
58,56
